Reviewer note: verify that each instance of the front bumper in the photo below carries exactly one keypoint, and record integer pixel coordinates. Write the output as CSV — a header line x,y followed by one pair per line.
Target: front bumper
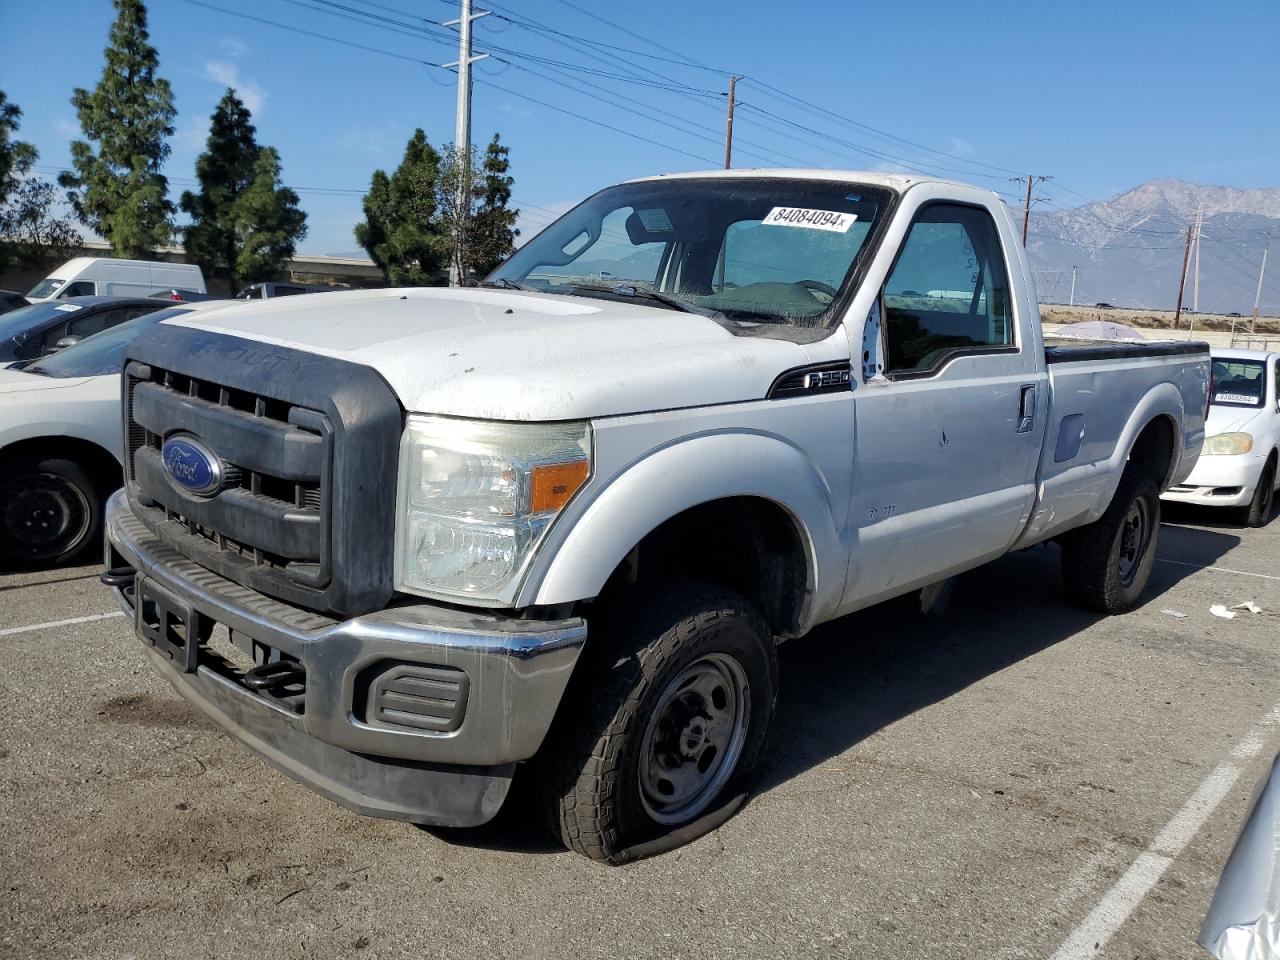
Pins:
x,y
1220,481
335,735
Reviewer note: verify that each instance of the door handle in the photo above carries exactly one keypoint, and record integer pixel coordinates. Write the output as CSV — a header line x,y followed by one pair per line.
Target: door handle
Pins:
x,y
1026,407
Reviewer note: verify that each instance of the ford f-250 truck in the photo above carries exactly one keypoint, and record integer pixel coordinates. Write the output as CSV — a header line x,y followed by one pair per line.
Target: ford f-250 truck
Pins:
x,y
563,519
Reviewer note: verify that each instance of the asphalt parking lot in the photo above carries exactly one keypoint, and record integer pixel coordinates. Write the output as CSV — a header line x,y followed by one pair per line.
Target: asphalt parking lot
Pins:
x,y
1017,779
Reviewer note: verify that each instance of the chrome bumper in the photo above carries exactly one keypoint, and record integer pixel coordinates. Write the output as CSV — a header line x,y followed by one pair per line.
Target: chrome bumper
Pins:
x,y
515,674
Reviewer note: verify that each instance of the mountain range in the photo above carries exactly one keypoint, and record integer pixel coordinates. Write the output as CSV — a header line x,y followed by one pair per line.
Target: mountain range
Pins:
x,y
1128,250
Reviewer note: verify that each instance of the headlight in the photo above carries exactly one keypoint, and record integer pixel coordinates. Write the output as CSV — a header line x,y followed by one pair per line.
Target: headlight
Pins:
x,y
1228,444
475,498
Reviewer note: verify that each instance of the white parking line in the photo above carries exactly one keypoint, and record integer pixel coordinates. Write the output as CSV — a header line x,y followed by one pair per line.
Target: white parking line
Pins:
x,y
1202,566
1093,933
10,631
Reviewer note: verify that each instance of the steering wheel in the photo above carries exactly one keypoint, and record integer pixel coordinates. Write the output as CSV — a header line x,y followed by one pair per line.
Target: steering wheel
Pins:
x,y
813,287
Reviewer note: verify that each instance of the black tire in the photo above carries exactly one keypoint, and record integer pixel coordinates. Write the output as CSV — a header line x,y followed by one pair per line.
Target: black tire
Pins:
x,y
1258,513
1106,565
50,512
653,669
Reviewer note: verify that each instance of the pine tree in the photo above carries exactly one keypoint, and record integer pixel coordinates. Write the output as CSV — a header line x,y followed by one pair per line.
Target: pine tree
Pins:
x,y
245,224
493,234
401,231
266,221
117,189
16,157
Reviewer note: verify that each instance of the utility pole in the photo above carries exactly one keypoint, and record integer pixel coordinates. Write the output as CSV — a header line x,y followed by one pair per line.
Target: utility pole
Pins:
x,y
728,130
1195,290
1074,268
462,135
1032,180
1257,297
1182,280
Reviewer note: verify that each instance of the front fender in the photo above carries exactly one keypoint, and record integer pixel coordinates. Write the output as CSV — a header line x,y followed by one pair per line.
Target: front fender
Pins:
x,y
671,479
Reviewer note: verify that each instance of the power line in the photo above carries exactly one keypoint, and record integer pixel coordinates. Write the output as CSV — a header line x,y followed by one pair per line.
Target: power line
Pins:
x,y
598,123
310,33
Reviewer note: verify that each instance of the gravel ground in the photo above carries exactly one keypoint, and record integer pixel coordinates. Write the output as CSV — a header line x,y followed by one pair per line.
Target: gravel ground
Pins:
x,y
970,786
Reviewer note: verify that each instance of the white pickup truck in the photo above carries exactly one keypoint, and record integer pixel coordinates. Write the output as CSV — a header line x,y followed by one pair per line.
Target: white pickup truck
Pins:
x,y
563,520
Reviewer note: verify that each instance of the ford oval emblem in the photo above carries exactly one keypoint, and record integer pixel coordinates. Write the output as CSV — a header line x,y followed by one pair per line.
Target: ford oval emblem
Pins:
x,y
191,465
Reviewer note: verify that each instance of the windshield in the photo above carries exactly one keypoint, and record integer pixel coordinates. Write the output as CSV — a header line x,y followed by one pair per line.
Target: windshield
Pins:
x,y
1238,383
751,251
102,353
46,288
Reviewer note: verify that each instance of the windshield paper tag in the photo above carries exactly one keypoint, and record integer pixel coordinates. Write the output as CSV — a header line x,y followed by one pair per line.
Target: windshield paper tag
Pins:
x,y
655,220
1234,398
68,307
830,220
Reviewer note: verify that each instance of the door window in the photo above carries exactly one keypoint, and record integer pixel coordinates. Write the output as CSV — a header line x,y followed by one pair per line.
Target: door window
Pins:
x,y
948,292
80,288
85,326
52,335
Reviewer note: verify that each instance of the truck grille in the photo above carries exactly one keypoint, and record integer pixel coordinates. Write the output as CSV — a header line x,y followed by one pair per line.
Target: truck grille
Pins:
x,y
272,508
306,447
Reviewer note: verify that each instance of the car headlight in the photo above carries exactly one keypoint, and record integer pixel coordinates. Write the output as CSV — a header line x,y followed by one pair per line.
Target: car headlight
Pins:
x,y
475,498
1228,444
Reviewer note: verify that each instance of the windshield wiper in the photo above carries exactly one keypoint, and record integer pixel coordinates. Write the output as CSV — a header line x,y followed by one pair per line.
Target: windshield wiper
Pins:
x,y
632,291
502,283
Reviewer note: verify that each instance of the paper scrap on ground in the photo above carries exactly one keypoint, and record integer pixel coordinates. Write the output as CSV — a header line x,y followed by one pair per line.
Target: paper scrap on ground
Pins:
x,y
1173,613
1218,610
1248,605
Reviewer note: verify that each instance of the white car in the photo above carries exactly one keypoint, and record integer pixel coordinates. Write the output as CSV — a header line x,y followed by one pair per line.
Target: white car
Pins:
x,y
1237,466
60,445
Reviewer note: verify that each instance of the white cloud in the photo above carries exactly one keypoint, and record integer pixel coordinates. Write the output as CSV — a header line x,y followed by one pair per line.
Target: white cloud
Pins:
x,y
228,74
961,147
66,128
192,135
233,47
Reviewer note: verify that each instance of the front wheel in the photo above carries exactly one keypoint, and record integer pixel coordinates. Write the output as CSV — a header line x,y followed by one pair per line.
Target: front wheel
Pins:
x,y
1106,565
1258,513
50,512
669,722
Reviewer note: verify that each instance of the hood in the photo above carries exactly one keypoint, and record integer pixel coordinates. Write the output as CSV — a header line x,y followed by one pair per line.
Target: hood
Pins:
x,y
15,381
1230,419
511,355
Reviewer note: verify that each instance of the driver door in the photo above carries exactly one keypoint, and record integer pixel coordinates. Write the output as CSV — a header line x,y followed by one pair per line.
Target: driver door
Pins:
x,y
948,437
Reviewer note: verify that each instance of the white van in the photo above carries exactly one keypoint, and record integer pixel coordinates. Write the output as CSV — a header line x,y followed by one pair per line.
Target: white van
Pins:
x,y
101,276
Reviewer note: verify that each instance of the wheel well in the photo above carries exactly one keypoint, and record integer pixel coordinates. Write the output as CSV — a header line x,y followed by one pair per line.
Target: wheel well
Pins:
x,y
1153,451
746,544
101,464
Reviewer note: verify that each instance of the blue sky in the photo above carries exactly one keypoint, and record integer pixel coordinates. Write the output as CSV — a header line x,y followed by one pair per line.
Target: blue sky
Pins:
x,y
1103,96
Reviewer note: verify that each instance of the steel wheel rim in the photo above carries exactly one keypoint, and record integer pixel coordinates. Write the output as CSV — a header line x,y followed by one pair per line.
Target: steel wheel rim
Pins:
x,y
1135,535
43,515
693,738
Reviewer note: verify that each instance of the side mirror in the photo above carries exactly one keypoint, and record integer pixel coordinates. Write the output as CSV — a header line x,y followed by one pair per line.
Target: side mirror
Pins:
x,y
64,343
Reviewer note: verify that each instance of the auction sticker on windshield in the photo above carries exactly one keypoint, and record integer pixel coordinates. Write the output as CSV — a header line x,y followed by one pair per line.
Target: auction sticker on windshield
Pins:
x,y
831,220
1235,398
67,307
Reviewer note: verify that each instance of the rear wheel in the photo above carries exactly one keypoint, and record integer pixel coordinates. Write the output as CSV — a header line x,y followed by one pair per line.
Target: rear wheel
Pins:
x,y
50,512
1258,513
1106,565
668,722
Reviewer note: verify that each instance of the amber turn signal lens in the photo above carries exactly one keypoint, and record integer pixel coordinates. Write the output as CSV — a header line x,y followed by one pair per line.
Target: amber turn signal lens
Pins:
x,y
555,483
